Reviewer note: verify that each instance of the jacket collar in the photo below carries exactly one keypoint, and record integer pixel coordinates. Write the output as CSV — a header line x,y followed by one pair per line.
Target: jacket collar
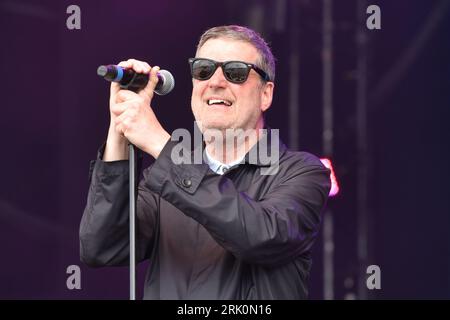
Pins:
x,y
263,153
269,145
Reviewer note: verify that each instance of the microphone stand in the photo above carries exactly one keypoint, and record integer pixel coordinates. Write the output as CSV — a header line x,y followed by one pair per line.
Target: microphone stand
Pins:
x,y
132,179
131,85
135,84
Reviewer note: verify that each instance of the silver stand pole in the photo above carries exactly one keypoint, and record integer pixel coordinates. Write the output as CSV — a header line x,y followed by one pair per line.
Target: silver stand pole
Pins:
x,y
132,223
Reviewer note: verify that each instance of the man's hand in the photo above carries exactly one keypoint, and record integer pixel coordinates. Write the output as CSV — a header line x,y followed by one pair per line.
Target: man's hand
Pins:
x,y
132,118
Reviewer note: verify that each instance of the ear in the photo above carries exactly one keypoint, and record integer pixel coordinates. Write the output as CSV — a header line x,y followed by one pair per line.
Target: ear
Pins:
x,y
267,95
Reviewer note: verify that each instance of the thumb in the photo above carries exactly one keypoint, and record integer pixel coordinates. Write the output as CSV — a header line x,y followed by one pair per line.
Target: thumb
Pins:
x,y
148,91
115,87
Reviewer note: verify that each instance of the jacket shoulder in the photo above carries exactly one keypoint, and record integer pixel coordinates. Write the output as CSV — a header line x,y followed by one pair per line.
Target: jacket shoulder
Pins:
x,y
301,159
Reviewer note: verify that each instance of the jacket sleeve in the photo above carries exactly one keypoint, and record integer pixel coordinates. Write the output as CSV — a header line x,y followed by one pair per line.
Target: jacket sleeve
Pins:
x,y
268,231
104,227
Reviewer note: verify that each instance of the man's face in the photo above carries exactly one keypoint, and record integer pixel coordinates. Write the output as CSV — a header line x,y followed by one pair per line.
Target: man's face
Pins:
x,y
248,100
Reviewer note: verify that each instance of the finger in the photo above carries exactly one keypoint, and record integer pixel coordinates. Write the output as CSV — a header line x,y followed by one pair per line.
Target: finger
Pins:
x,y
127,114
147,92
132,64
147,67
114,88
119,129
138,66
120,125
119,108
144,67
125,95
123,126
125,64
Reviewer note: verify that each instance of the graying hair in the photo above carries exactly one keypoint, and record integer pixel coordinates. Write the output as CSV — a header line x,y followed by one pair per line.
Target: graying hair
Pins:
x,y
266,60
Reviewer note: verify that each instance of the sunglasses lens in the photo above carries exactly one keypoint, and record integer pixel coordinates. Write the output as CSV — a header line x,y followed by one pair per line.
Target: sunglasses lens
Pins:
x,y
236,72
202,69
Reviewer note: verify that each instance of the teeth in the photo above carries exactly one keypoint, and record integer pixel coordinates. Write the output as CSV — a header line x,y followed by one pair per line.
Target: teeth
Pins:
x,y
218,101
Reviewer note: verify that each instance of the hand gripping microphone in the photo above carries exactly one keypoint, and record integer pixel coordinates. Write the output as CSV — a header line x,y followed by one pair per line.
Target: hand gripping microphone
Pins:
x,y
130,80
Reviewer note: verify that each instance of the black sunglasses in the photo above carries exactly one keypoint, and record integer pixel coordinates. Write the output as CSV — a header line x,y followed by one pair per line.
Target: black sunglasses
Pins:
x,y
234,71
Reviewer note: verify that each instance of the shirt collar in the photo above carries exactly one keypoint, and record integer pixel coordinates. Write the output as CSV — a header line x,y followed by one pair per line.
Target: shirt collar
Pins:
x,y
266,138
219,167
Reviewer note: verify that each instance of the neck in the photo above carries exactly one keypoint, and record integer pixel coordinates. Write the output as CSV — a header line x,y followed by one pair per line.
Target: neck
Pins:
x,y
230,145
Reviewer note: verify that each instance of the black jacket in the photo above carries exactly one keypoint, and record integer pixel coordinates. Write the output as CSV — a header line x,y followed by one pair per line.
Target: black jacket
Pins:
x,y
241,235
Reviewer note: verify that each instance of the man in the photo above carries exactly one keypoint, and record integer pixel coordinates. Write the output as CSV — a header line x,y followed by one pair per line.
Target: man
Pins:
x,y
219,229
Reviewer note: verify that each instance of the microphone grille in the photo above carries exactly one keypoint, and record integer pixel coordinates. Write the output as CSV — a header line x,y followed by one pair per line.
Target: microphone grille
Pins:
x,y
102,71
168,83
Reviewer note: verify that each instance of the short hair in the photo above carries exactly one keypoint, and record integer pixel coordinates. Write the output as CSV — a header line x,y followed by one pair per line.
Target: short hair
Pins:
x,y
266,60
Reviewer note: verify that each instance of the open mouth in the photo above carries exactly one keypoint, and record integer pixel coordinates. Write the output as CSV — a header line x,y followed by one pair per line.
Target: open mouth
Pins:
x,y
219,102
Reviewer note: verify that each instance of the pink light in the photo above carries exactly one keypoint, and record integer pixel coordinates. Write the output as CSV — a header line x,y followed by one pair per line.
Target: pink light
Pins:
x,y
334,184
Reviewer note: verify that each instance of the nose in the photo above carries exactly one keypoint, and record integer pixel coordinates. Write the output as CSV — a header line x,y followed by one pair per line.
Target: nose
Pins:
x,y
218,79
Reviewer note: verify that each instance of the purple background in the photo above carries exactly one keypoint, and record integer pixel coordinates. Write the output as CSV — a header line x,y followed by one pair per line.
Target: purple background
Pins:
x,y
54,116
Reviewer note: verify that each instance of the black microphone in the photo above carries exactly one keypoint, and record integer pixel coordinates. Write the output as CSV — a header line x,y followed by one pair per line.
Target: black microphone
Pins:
x,y
130,80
